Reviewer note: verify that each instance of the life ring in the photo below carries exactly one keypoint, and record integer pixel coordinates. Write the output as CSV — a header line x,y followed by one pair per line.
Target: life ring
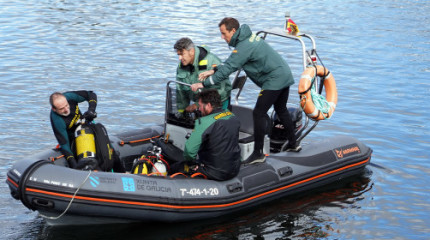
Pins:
x,y
306,101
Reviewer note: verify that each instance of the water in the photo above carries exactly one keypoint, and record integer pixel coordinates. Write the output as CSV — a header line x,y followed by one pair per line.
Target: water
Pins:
x,y
123,50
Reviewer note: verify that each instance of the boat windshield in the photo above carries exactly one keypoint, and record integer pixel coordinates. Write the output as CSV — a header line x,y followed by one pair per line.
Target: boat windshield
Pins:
x,y
178,95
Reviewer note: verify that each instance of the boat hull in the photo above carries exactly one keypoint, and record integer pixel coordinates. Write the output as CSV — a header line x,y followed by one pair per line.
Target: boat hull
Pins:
x,y
106,197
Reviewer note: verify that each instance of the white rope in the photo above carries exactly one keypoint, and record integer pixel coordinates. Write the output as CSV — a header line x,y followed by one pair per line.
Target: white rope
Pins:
x,y
71,200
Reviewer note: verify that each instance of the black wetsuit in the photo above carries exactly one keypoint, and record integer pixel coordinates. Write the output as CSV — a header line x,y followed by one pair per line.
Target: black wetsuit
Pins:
x,y
64,127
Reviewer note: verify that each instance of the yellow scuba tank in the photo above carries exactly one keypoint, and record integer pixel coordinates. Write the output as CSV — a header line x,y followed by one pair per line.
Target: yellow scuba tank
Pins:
x,y
141,166
85,143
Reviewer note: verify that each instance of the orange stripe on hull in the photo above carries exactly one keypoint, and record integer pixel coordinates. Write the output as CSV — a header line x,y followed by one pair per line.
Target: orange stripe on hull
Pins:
x,y
13,182
171,206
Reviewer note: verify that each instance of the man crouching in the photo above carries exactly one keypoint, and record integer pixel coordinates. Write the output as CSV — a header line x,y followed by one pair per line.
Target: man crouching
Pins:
x,y
215,139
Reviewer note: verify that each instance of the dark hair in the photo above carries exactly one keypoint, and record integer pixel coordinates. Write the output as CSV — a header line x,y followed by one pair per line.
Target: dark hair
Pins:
x,y
54,96
210,95
183,43
229,23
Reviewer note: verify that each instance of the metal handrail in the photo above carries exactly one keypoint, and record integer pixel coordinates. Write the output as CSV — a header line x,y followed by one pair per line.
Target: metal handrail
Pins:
x,y
282,33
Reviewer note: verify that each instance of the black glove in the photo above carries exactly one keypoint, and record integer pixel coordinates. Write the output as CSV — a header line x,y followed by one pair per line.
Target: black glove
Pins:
x,y
87,164
179,115
90,115
198,113
72,162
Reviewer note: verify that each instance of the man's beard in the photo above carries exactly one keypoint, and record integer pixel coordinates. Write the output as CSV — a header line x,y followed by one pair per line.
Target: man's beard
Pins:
x,y
65,114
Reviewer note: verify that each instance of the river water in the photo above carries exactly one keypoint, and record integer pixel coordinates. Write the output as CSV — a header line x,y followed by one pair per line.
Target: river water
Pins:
x,y
377,50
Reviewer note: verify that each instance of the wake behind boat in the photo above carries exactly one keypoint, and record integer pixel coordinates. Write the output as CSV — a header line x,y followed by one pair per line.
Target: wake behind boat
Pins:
x,y
68,196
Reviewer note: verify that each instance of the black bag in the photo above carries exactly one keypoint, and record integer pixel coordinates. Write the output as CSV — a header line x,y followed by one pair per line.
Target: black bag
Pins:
x,y
106,155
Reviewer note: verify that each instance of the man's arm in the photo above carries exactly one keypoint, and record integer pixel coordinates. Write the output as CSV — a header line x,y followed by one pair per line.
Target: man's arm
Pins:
x,y
81,96
60,131
234,62
193,144
204,75
182,99
182,91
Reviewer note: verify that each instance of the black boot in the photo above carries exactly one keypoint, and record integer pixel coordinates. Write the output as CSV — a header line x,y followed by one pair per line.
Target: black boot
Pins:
x,y
255,157
293,147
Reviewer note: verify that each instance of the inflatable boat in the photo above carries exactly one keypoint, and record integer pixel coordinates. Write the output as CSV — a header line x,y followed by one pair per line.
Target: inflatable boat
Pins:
x,y
62,195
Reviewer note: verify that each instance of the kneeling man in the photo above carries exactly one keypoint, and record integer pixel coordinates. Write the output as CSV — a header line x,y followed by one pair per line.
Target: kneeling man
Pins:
x,y
215,139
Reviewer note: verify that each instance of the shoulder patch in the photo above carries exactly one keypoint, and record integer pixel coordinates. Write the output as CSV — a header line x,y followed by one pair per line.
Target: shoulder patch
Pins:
x,y
203,62
221,115
234,51
254,37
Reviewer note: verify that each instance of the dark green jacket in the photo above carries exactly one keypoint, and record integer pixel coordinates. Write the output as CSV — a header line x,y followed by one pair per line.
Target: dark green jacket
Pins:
x,y
64,127
215,139
204,60
261,63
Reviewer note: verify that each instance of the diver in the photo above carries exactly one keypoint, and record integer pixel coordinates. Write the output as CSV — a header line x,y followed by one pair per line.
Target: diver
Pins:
x,y
193,61
66,116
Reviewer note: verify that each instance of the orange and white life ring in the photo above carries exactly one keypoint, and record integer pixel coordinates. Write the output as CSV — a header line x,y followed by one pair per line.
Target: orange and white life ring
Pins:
x,y
306,101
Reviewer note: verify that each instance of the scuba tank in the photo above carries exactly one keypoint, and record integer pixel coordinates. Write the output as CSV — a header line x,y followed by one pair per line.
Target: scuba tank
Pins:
x,y
159,168
85,145
144,165
141,165
152,163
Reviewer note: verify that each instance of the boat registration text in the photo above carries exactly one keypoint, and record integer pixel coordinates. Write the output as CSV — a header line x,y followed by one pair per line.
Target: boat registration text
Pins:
x,y
199,191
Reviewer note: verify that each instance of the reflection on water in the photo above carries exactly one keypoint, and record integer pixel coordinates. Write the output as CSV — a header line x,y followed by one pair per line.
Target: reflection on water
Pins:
x,y
123,50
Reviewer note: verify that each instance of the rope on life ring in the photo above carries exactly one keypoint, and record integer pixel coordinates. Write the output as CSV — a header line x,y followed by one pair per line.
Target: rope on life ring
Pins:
x,y
313,104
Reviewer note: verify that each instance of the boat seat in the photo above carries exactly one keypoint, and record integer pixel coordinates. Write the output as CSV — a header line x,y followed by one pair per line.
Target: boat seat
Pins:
x,y
246,132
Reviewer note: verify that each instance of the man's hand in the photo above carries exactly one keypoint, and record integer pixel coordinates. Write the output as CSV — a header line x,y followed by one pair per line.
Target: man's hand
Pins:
x,y
179,115
204,75
196,86
90,115
87,164
191,108
72,162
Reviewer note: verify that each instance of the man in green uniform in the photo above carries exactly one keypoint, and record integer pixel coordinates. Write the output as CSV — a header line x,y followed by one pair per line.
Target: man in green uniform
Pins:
x,y
267,69
215,139
193,61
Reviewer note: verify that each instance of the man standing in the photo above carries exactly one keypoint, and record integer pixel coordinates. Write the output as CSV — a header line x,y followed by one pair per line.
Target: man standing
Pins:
x,y
65,116
193,61
215,139
267,69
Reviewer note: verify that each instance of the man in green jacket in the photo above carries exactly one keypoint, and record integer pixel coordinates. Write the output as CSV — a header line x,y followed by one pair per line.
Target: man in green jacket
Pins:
x,y
267,69
215,139
193,61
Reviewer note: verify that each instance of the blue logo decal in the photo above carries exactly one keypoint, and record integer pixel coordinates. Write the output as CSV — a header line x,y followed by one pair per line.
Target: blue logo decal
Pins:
x,y
128,184
94,181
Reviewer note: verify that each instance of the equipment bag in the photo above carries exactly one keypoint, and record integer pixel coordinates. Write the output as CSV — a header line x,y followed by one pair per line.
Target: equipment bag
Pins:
x,y
106,155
